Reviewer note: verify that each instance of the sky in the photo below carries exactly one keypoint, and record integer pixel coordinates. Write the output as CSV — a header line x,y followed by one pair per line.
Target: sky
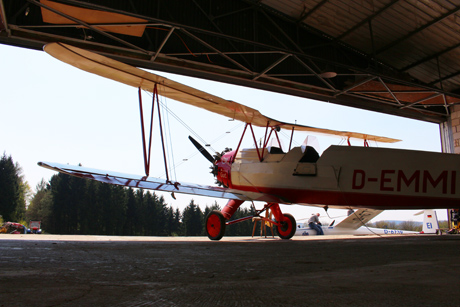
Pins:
x,y
53,112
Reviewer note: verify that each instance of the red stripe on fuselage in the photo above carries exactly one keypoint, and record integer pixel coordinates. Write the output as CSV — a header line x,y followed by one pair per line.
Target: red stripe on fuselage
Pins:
x,y
353,199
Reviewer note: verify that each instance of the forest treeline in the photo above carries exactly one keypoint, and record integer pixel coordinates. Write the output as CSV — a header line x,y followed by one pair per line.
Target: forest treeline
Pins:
x,y
71,205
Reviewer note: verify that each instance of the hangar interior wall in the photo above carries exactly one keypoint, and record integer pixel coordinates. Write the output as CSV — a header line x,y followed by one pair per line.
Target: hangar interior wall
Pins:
x,y
455,124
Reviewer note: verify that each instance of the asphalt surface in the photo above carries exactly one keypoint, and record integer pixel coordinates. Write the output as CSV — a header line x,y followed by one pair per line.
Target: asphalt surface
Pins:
x,y
46,270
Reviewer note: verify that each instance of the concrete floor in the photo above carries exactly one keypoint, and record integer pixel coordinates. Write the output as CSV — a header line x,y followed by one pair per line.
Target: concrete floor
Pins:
x,y
48,270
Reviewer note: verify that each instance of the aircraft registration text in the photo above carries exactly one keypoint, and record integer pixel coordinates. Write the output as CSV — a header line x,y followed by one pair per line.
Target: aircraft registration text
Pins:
x,y
419,181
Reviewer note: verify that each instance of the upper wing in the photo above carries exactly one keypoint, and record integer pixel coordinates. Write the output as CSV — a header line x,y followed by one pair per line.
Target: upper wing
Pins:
x,y
358,218
157,184
109,68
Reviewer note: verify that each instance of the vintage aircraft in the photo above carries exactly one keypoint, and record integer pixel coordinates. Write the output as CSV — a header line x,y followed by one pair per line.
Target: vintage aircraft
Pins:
x,y
355,224
343,177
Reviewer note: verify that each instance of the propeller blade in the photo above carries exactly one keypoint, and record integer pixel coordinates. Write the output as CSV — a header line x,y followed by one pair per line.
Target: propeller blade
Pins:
x,y
201,149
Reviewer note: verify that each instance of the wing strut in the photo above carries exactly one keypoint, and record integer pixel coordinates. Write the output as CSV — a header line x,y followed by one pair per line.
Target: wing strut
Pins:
x,y
148,154
260,153
155,96
146,157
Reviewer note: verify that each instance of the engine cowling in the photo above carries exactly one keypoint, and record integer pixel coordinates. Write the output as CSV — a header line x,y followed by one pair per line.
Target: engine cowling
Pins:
x,y
224,167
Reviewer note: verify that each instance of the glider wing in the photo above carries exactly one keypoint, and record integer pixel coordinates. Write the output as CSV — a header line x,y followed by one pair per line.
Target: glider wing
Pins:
x,y
358,218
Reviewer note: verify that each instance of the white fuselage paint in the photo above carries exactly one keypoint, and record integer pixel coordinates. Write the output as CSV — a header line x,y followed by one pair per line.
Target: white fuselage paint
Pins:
x,y
349,176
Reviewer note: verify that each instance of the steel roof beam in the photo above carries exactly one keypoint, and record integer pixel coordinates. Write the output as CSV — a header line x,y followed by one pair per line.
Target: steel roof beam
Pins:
x,y
455,74
368,19
305,15
400,107
389,91
445,104
396,92
219,29
364,81
315,73
233,13
3,18
420,101
282,32
216,50
418,30
429,58
271,66
162,44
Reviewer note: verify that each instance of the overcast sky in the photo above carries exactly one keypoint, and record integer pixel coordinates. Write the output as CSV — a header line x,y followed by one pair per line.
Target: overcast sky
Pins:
x,y
57,113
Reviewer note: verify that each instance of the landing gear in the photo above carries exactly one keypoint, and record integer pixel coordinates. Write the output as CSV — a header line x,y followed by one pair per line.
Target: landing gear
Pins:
x,y
286,229
216,220
215,225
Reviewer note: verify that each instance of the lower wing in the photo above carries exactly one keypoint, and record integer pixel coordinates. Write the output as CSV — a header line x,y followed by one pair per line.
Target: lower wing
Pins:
x,y
157,184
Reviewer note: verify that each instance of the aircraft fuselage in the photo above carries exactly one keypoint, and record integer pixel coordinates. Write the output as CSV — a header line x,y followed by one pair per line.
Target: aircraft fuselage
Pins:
x,y
348,176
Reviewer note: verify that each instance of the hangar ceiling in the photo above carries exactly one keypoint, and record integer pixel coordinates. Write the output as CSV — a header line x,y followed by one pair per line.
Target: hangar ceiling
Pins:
x,y
396,57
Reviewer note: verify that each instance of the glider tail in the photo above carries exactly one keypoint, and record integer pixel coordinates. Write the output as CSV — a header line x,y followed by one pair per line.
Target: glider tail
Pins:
x,y
430,222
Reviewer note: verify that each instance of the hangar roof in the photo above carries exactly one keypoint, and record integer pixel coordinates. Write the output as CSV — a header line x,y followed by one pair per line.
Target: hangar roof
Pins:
x,y
396,57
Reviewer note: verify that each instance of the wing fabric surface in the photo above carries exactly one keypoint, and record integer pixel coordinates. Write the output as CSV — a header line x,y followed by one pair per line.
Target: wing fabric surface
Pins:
x,y
157,184
129,75
358,218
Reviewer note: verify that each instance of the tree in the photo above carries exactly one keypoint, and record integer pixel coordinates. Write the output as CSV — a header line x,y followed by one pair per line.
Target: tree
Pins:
x,y
410,225
214,206
40,205
193,220
68,195
14,190
90,211
243,228
118,207
173,224
131,214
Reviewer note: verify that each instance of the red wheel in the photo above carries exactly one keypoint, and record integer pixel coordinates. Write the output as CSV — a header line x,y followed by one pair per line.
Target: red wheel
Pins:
x,y
215,225
287,228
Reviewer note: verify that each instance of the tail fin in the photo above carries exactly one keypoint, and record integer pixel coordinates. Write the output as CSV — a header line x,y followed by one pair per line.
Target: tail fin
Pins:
x,y
430,222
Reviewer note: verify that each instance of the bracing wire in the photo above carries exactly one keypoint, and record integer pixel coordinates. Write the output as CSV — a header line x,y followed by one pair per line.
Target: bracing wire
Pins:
x,y
172,167
283,133
184,124
170,153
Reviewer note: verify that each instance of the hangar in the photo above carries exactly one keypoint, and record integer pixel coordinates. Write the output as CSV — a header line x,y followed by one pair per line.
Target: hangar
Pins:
x,y
398,57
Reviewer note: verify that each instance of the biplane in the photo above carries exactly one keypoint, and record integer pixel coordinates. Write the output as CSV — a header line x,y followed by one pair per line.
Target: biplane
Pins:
x,y
342,177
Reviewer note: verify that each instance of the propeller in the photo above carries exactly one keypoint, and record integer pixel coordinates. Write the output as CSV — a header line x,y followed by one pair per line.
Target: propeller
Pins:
x,y
201,149
213,159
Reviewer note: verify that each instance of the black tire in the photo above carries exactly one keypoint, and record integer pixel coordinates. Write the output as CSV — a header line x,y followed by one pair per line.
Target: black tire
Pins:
x,y
215,225
287,228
